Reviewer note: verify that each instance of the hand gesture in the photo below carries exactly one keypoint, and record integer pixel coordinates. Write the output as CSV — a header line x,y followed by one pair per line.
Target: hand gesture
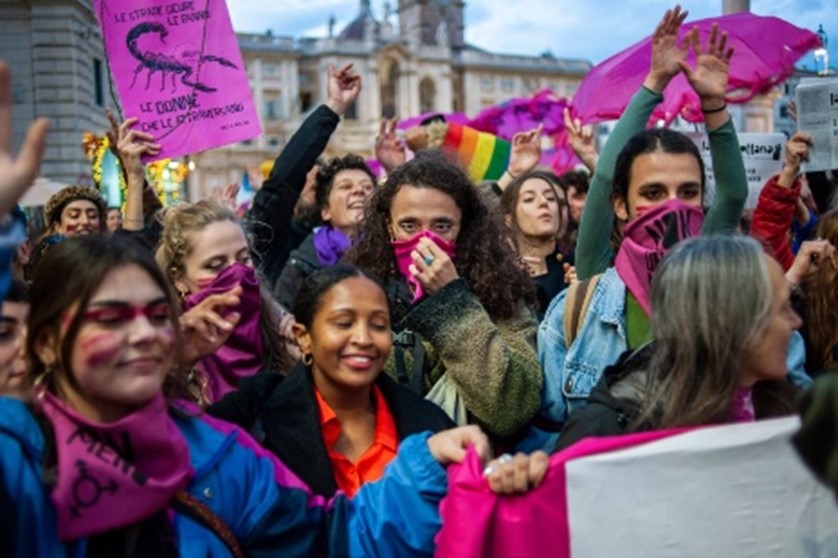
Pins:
x,y
570,276
204,330
344,87
518,474
449,446
809,257
432,266
667,56
525,152
710,76
581,140
17,173
797,152
131,145
389,149
226,196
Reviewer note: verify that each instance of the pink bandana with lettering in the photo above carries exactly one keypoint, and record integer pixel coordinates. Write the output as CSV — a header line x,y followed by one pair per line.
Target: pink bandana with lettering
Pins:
x,y
114,475
403,250
646,241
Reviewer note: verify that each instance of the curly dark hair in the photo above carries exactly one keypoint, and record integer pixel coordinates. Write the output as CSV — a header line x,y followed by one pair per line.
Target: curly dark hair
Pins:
x,y
328,171
484,257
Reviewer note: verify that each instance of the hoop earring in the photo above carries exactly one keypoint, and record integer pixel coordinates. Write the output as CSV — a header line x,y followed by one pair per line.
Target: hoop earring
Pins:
x,y
307,359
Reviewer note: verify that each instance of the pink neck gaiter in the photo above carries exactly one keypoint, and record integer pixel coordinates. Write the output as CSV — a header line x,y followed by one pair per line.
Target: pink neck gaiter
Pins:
x,y
403,249
742,405
242,355
114,475
647,239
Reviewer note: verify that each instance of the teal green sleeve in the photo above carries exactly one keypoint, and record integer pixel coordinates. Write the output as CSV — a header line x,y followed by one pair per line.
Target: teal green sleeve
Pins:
x,y
593,247
731,181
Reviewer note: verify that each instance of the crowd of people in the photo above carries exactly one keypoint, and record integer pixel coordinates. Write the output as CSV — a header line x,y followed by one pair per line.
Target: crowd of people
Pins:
x,y
185,381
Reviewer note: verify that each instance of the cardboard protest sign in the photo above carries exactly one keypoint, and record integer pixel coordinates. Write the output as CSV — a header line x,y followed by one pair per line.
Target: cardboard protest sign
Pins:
x,y
733,490
763,157
817,114
178,69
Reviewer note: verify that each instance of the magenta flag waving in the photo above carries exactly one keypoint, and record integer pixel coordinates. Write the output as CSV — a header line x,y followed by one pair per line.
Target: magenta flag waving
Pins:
x,y
178,69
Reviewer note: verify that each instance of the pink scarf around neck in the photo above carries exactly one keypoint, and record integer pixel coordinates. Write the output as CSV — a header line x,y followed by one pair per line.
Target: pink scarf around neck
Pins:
x,y
114,475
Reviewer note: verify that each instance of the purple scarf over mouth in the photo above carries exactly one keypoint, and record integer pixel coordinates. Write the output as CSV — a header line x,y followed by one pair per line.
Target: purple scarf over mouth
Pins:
x,y
242,355
647,240
330,244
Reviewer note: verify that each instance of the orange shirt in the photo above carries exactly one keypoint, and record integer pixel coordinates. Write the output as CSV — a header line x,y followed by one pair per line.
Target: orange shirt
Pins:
x,y
350,476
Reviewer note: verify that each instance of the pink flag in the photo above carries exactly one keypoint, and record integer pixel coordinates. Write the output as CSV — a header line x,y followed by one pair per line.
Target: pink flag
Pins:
x,y
178,69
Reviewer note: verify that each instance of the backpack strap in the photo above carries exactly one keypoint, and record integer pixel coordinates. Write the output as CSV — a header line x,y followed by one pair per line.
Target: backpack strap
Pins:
x,y
576,305
188,505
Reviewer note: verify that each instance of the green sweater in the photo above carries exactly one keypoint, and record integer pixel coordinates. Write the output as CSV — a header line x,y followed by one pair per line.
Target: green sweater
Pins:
x,y
493,365
593,249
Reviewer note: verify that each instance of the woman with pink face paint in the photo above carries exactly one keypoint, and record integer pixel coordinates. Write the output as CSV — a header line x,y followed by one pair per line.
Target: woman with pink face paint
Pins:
x,y
461,301
109,458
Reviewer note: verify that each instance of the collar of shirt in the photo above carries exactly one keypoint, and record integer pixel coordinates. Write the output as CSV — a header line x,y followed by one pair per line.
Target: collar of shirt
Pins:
x,y
385,426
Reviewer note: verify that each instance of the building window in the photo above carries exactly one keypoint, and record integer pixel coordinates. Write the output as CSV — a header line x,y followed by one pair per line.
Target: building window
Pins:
x,y
270,69
554,87
305,101
487,83
427,95
570,89
531,85
273,109
273,141
98,82
507,85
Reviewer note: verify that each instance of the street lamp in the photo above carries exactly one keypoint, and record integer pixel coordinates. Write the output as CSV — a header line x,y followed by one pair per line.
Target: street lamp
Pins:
x,y
822,53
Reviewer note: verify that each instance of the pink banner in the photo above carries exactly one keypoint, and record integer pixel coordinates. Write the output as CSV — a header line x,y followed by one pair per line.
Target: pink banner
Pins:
x,y
178,68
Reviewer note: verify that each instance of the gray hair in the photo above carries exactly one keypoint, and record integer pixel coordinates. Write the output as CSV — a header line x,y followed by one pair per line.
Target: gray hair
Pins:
x,y
711,299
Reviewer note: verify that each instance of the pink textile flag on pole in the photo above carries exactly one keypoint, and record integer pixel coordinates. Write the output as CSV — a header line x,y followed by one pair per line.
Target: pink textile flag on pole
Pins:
x,y
178,69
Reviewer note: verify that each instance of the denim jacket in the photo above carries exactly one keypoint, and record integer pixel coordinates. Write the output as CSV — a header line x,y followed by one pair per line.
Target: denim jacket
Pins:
x,y
571,373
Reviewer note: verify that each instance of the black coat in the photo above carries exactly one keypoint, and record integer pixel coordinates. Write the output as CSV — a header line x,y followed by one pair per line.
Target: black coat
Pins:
x,y
288,421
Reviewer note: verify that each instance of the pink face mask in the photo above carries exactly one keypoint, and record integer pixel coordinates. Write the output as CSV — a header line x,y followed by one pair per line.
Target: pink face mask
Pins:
x,y
403,250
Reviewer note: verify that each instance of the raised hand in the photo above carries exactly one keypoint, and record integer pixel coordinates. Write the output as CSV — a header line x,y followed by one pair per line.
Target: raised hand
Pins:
x,y
581,140
667,55
525,152
131,145
710,76
389,149
17,173
432,266
226,196
344,88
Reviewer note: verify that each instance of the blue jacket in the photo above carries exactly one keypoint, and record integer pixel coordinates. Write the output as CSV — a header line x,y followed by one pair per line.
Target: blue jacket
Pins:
x,y
571,373
268,509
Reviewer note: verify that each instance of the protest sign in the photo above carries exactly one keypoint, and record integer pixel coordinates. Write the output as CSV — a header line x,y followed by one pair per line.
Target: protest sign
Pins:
x,y
733,490
763,157
178,69
817,114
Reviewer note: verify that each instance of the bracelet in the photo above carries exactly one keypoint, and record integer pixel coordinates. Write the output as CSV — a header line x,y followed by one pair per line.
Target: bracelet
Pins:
x,y
720,109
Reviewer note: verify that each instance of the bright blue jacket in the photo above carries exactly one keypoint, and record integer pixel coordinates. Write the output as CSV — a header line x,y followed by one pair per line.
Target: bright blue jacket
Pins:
x,y
268,509
570,373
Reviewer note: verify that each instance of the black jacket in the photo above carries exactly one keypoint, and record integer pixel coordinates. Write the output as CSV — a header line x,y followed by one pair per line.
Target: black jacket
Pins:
x,y
288,421
301,264
613,403
270,215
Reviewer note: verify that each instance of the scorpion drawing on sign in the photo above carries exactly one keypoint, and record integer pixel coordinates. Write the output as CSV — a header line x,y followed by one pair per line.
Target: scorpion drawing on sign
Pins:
x,y
168,65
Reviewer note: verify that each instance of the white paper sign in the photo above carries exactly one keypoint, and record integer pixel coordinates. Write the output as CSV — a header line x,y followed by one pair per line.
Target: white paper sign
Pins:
x,y
817,114
761,153
738,490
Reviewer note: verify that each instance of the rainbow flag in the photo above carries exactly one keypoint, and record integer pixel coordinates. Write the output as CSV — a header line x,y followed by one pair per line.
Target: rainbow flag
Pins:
x,y
485,156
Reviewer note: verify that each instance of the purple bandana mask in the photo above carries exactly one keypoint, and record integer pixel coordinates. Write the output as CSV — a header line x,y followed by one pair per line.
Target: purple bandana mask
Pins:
x,y
242,354
647,240
402,249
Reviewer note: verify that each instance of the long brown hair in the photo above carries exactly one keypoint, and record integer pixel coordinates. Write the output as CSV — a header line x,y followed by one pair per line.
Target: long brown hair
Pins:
x,y
484,258
509,203
820,298
69,275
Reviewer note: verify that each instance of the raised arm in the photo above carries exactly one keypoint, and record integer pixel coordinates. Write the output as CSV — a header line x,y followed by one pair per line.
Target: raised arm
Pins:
x,y
709,80
593,248
273,205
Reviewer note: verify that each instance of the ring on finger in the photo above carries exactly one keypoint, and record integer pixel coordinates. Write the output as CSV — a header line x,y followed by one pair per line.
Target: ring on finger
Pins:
x,y
428,259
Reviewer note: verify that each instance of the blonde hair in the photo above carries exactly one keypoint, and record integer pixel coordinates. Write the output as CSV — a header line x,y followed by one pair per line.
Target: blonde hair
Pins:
x,y
180,223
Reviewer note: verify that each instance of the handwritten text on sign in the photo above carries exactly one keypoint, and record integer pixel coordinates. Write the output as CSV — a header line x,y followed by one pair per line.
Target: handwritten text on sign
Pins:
x,y
178,69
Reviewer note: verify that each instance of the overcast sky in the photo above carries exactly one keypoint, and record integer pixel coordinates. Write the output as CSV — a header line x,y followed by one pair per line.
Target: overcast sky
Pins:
x,y
569,28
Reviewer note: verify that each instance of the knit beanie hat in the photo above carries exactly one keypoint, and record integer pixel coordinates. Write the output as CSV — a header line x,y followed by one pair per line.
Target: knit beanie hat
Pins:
x,y
59,200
